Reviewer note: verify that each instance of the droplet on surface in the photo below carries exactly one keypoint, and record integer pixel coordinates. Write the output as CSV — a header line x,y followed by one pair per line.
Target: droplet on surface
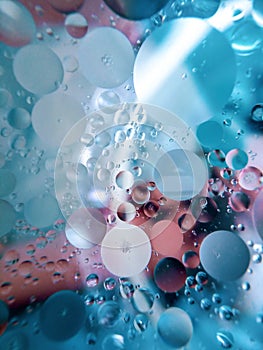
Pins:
x,y
143,300
109,314
76,25
190,259
62,315
175,327
239,201
124,179
108,101
19,118
225,339
224,255
29,64
113,342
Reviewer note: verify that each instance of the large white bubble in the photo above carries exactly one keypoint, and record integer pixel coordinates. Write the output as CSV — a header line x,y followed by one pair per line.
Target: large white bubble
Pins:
x,y
54,115
126,250
38,69
106,57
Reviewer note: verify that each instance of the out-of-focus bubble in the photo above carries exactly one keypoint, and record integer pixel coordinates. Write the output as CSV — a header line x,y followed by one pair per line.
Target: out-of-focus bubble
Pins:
x,y
19,118
204,209
224,255
143,300
257,214
175,327
166,237
54,115
124,179
41,211
210,134
86,226
66,6
257,12
186,61
109,314
7,182
108,101
191,259
183,174
14,341
125,250
29,64
236,159
225,339
76,25
136,10
4,315
70,63
4,98
239,201
246,38
106,57
7,217
17,26
113,342
250,178
62,315
126,212
169,275
217,158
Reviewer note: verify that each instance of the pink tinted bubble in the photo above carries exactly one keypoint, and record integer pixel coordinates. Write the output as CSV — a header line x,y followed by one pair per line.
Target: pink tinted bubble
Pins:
x,y
167,238
76,25
169,275
250,178
151,208
66,6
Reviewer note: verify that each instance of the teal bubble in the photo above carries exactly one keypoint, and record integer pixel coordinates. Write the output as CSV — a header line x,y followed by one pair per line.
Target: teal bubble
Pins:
x,y
62,315
175,327
210,133
236,159
7,182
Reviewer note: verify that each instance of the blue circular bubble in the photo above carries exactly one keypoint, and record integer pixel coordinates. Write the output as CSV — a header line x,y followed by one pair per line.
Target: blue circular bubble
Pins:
x,y
175,327
62,315
210,133
224,255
